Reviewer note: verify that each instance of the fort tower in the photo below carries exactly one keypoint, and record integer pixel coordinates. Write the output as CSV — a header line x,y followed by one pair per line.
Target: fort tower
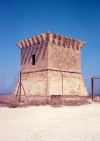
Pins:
x,y
51,65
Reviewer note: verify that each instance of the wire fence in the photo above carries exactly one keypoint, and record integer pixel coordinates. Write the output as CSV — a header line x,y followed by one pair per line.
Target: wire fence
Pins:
x,y
95,81
87,81
8,84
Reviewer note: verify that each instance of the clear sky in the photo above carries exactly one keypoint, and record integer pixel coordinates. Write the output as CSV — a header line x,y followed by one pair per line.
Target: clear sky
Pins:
x,y
21,19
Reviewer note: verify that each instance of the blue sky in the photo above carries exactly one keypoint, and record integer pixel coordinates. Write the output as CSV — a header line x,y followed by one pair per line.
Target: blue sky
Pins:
x,y
21,19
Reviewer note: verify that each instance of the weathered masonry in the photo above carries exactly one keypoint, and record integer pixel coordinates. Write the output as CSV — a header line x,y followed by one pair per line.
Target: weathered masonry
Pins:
x,y
51,65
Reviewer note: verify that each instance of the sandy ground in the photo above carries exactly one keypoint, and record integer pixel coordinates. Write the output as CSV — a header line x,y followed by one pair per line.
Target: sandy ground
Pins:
x,y
45,123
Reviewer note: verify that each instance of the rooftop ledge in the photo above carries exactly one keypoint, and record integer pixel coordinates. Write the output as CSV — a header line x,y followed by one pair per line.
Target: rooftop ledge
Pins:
x,y
53,38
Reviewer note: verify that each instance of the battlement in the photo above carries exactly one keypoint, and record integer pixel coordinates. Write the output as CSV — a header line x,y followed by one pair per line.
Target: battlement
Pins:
x,y
55,39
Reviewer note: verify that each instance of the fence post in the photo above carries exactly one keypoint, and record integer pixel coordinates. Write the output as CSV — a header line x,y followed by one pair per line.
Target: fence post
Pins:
x,y
92,84
62,82
20,88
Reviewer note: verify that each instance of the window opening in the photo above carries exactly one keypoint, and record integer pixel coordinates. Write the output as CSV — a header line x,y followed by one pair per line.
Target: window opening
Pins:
x,y
33,59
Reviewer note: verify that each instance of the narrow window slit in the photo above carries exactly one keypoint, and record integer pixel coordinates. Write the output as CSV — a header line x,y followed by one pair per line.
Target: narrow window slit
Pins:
x,y
33,59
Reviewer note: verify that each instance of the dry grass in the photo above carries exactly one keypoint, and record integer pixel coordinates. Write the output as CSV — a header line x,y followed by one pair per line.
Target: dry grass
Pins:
x,y
8,101
12,102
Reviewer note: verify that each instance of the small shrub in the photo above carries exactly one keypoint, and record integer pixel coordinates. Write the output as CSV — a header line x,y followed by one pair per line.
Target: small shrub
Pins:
x,y
12,105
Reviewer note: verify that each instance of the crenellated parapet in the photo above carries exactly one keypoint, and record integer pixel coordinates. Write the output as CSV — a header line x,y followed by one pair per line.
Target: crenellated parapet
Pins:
x,y
52,38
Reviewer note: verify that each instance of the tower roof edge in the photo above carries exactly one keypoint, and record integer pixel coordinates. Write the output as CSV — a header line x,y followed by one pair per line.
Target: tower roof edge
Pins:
x,y
47,37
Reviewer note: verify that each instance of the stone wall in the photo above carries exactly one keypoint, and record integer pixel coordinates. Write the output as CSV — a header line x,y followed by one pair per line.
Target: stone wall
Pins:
x,y
53,83
34,83
64,58
41,57
64,83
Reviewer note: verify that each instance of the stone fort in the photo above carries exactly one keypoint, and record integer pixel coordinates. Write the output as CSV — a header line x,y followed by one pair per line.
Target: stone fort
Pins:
x,y
51,65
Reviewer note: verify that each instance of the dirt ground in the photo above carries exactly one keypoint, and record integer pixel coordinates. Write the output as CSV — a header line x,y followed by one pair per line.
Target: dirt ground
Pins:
x,y
46,123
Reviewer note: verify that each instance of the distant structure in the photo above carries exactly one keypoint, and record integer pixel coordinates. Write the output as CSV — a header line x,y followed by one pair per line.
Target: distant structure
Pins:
x,y
51,65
